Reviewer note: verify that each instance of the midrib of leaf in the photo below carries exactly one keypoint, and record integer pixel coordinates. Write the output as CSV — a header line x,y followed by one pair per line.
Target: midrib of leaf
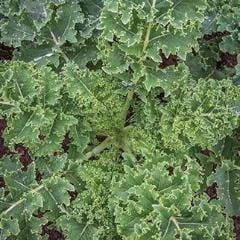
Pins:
x,y
30,117
173,7
87,89
58,46
44,11
65,30
84,229
130,93
24,32
173,220
56,202
18,87
123,27
7,103
95,4
44,94
228,191
21,184
51,128
148,33
20,201
43,56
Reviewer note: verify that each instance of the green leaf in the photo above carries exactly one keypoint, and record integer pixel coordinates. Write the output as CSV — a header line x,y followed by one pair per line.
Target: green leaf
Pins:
x,y
42,55
74,230
62,28
54,134
39,11
168,79
55,193
19,84
228,191
14,34
8,227
50,87
151,204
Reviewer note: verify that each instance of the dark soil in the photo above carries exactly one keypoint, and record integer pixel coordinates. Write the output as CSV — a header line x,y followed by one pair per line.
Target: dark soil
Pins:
x,y
161,97
170,170
73,195
39,214
168,61
24,156
39,176
6,53
236,220
2,183
3,149
194,52
3,125
212,191
206,152
115,40
215,35
65,143
52,233
228,60
101,138
237,135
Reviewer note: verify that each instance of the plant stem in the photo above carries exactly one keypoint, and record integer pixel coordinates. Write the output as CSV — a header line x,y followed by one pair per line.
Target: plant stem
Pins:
x,y
102,146
14,205
59,47
7,103
174,220
131,92
147,37
126,107
146,40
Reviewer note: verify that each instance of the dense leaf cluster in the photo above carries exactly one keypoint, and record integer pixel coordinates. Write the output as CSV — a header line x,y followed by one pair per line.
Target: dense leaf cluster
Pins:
x,y
128,111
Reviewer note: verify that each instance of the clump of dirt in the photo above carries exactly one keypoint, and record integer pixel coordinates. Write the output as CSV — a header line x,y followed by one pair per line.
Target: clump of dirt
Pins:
x,y
168,61
161,97
206,152
227,59
39,176
3,125
39,214
170,170
3,149
215,35
73,195
65,143
2,182
6,53
24,156
237,135
236,220
212,191
52,233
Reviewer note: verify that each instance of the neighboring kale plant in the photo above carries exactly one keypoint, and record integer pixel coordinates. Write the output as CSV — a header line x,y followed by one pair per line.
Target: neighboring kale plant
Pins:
x,y
51,31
